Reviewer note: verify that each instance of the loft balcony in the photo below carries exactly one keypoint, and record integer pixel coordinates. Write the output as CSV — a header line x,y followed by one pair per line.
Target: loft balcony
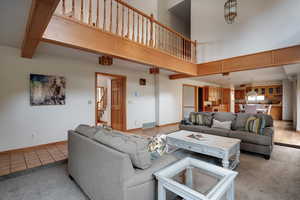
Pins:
x,y
115,28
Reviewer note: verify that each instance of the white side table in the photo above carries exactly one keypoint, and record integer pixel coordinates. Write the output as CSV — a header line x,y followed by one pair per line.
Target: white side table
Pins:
x,y
202,181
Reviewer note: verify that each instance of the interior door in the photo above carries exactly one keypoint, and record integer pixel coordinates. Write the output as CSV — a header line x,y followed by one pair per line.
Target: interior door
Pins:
x,y
117,104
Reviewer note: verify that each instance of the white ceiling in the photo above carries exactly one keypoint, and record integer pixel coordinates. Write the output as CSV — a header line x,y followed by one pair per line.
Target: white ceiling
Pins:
x,y
265,75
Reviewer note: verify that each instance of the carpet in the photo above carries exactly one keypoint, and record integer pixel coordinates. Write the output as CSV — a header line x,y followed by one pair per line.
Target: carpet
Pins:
x,y
258,179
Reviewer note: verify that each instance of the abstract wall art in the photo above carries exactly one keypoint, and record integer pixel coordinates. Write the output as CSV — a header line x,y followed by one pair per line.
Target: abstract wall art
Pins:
x,y
47,90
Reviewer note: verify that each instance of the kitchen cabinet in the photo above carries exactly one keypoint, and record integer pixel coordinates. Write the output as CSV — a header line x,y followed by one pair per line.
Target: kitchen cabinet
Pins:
x,y
239,94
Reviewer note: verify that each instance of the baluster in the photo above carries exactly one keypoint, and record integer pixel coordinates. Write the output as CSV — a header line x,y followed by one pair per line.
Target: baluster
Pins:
x,y
104,18
63,7
90,11
98,12
133,36
128,24
73,8
147,27
117,20
110,27
143,30
122,31
81,10
138,28
151,30
195,46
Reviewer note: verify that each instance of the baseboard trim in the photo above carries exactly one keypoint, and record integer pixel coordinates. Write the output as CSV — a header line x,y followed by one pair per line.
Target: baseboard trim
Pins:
x,y
28,171
33,147
288,145
163,125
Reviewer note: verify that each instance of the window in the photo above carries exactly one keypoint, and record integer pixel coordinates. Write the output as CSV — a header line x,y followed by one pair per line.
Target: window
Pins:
x,y
256,98
251,98
260,98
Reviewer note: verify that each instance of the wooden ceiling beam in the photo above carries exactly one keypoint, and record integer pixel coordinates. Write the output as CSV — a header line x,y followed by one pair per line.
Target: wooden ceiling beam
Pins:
x,y
39,17
272,58
74,34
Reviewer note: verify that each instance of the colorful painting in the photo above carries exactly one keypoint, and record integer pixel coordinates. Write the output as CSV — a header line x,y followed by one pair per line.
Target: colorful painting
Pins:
x,y
47,90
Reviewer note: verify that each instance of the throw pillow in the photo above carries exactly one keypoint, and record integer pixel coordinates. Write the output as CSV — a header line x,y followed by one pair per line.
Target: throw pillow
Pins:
x,y
255,125
201,118
157,146
222,125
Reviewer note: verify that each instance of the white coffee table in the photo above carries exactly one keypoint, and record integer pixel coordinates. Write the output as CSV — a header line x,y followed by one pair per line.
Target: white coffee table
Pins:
x,y
201,181
221,147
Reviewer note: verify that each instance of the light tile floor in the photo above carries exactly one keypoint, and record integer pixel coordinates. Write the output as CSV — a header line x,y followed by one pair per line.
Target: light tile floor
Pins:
x,y
19,160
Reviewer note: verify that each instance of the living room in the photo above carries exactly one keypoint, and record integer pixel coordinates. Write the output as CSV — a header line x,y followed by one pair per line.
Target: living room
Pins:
x,y
38,151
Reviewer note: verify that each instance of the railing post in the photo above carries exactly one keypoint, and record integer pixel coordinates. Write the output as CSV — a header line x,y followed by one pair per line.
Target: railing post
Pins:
x,y
151,30
195,58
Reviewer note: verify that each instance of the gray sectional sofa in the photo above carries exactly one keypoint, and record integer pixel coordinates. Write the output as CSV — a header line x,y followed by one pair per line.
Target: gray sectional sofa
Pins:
x,y
99,166
262,144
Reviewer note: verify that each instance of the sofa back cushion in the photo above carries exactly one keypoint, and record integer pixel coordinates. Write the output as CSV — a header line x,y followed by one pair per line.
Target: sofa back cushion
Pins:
x,y
87,130
268,119
134,146
201,118
240,122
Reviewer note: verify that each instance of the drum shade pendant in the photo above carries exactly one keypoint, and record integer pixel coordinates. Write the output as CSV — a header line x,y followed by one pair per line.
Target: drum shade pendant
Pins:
x,y
230,11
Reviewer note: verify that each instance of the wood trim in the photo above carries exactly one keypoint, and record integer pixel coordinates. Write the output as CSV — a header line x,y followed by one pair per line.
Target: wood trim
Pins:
x,y
40,14
72,33
33,147
159,126
272,58
124,106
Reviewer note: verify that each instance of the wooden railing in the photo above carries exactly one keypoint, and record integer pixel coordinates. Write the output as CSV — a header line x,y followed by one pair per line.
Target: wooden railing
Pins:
x,y
119,18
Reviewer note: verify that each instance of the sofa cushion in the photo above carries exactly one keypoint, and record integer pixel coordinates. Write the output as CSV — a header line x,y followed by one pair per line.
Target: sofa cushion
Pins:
x,y
268,119
134,146
217,131
87,130
224,116
222,125
251,137
240,122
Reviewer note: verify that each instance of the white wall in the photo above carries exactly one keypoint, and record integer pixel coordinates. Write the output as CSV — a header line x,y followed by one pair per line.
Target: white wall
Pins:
x,y
287,107
170,98
170,19
298,103
261,25
23,125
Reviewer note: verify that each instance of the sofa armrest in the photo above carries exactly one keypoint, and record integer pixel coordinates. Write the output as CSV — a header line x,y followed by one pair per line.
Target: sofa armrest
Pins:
x,y
143,176
269,131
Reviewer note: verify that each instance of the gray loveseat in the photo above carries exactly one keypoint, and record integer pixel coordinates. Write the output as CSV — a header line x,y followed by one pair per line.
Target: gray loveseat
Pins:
x,y
105,173
262,144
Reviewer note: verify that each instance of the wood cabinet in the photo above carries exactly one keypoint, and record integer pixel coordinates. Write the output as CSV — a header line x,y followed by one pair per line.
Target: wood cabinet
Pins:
x,y
239,94
276,112
220,97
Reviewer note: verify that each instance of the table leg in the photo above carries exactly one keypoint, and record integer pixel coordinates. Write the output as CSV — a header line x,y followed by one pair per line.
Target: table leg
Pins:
x,y
189,177
230,193
161,192
225,161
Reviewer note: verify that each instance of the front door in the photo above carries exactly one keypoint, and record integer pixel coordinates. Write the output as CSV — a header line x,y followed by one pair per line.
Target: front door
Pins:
x,y
117,104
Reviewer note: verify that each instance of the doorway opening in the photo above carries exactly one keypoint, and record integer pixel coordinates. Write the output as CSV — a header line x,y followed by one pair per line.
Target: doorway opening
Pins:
x,y
110,101
192,100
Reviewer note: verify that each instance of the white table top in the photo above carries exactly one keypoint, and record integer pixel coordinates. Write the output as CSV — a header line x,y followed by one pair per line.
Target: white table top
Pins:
x,y
224,143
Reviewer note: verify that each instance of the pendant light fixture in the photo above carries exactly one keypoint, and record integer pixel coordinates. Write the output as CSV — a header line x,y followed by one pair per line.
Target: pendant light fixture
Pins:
x,y
230,11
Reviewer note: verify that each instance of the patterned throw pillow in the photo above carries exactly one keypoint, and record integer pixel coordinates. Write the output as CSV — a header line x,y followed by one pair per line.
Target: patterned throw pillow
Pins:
x,y
157,146
255,125
200,119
